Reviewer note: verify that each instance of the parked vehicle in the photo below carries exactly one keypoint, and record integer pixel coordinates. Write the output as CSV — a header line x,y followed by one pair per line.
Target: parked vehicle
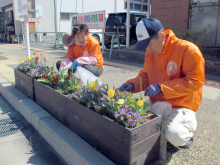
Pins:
x,y
116,22
97,34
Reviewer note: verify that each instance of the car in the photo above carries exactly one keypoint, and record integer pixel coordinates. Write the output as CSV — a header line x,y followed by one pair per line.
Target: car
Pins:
x,y
116,22
97,34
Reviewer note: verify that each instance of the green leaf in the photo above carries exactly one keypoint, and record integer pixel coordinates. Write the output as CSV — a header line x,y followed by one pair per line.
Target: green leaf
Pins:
x,y
121,101
43,80
127,96
106,97
146,104
141,97
134,108
106,105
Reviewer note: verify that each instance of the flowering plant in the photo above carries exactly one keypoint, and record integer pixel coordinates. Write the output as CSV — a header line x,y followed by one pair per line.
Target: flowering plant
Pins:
x,y
121,106
91,95
128,117
32,66
61,81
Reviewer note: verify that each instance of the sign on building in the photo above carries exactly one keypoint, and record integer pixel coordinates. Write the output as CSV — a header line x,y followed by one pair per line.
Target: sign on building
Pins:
x,y
94,20
138,5
22,9
39,11
31,20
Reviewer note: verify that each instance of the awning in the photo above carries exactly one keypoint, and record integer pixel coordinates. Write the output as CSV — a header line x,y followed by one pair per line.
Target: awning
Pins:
x,y
9,9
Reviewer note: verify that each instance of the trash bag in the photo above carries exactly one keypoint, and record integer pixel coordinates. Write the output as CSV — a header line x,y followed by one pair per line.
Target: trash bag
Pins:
x,y
84,75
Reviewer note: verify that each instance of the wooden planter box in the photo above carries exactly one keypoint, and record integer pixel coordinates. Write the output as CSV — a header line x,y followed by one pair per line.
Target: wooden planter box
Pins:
x,y
24,83
51,100
136,146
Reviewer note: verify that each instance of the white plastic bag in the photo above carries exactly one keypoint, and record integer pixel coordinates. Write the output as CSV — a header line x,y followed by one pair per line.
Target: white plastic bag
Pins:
x,y
84,75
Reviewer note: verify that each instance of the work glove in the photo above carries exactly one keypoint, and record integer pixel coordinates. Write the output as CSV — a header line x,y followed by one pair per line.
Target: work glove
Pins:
x,y
152,90
59,71
74,65
126,87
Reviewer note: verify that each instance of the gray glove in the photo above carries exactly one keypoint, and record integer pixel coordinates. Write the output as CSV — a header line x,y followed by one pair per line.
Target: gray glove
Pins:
x,y
126,87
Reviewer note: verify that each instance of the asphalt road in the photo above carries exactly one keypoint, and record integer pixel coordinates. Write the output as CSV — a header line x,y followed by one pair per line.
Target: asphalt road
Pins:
x,y
205,149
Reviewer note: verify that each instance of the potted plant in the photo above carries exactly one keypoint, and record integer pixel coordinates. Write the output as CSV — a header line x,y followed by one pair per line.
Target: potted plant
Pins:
x,y
112,121
52,89
122,129
27,71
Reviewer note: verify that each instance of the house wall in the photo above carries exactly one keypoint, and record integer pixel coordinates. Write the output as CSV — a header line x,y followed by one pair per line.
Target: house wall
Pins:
x,y
47,23
85,6
4,3
205,20
172,13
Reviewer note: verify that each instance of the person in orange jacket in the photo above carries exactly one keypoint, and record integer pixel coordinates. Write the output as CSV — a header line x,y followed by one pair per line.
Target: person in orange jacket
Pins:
x,y
172,76
83,50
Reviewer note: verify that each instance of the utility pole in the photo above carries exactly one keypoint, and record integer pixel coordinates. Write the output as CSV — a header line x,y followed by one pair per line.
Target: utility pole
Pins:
x,y
82,6
56,17
128,25
115,6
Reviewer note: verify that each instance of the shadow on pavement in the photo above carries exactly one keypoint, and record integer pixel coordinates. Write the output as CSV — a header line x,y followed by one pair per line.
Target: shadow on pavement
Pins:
x,y
40,152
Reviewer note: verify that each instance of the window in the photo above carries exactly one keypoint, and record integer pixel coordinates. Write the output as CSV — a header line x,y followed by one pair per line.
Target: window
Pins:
x,y
116,19
137,7
139,17
64,16
145,8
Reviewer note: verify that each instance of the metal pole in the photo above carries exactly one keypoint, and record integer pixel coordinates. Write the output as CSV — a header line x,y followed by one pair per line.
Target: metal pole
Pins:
x,y
148,9
103,43
82,6
55,9
27,37
40,32
128,25
115,6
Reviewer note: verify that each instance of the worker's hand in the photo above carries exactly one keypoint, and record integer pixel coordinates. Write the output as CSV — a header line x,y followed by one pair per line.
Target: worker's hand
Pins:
x,y
74,65
126,87
152,90
59,71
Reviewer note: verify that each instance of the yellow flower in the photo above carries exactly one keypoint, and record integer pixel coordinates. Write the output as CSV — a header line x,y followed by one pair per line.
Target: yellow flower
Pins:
x,y
111,93
41,53
140,103
93,85
32,56
28,58
21,61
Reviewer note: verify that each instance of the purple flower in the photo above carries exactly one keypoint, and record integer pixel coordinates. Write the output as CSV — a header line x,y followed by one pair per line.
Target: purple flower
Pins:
x,y
98,88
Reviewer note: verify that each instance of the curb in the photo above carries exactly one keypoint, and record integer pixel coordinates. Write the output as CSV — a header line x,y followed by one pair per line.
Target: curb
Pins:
x,y
72,148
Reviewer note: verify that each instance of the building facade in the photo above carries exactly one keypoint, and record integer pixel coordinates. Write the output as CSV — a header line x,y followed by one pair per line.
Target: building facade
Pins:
x,y
56,15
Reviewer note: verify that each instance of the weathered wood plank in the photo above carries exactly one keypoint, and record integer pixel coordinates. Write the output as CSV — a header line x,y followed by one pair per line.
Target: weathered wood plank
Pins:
x,y
24,83
50,100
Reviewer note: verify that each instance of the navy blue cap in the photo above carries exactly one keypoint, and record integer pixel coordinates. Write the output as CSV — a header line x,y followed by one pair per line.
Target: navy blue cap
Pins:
x,y
145,30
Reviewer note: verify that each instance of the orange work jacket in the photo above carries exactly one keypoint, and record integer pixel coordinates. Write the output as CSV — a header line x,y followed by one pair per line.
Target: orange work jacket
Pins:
x,y
92,48
179,70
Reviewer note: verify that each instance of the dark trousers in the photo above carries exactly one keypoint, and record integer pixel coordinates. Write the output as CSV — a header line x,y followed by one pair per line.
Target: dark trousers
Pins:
x,y
92,68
